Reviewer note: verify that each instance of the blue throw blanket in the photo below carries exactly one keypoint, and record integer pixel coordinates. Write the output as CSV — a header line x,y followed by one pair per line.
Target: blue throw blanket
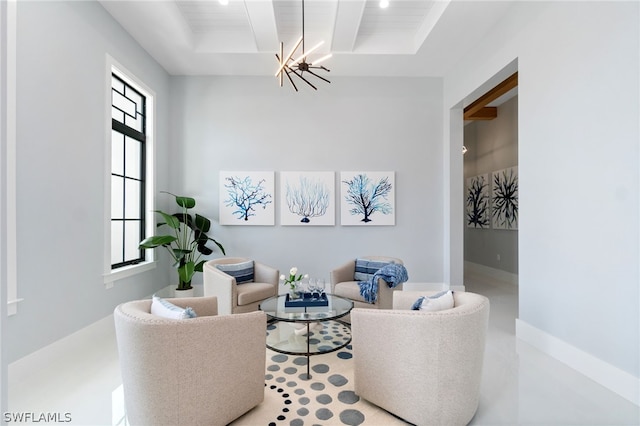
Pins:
x,y
393,273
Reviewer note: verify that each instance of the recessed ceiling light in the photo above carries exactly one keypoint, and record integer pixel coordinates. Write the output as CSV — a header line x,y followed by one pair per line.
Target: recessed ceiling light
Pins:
x,y
223,2
384,4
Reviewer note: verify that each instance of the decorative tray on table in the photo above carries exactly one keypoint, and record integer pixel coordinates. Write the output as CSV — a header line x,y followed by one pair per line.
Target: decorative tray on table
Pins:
x,y
306,299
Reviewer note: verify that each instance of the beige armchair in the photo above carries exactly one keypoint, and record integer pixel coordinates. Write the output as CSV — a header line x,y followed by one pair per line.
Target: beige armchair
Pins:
x,y
424,367
344,284
205,370
234,298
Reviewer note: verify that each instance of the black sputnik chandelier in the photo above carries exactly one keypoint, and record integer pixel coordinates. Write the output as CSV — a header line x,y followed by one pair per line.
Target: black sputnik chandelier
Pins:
x,y
299,66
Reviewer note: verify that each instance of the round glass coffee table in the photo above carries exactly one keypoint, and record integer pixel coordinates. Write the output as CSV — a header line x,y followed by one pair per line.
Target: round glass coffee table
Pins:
x,y
307,330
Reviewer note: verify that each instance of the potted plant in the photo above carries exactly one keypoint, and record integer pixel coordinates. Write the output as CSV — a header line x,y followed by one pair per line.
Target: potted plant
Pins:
x,y
188,241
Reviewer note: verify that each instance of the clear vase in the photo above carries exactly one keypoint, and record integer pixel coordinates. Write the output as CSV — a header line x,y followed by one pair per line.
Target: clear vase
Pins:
x,y
294,291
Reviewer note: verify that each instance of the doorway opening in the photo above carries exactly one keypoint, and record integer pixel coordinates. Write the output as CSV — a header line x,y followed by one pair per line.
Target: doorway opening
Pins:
x,y
490,180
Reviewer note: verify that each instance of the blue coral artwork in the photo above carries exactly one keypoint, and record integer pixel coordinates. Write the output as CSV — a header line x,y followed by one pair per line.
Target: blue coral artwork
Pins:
x,y
247,198
307,198
477,206
367,198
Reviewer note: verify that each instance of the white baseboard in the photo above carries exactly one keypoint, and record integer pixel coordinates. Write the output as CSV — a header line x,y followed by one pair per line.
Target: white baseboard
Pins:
x,y
498,274
622,383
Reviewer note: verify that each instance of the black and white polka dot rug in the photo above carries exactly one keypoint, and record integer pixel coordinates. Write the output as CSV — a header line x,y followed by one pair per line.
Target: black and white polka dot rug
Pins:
x,y
326,398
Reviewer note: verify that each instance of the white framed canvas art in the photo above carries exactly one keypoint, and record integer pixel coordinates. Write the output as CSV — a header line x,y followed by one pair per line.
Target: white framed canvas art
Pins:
x,y
477,207
367,198
504,199
307,198
247,198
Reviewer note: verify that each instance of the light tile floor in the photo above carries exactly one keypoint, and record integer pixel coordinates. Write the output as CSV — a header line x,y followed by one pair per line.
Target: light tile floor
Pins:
x,y
80,375
523,386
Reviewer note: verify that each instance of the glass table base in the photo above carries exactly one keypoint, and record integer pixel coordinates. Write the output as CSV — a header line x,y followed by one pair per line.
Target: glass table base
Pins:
x,y
307,338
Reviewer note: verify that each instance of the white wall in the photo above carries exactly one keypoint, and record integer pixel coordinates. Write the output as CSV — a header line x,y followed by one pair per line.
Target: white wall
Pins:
x,y
578,166
61,72
367,124
6,22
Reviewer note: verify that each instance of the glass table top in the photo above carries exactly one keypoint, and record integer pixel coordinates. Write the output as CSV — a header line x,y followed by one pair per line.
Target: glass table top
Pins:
x,y
275,308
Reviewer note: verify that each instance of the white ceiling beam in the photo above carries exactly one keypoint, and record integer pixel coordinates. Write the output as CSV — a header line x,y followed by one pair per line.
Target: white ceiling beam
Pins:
x,y
345,32
263,24
325,25
432,18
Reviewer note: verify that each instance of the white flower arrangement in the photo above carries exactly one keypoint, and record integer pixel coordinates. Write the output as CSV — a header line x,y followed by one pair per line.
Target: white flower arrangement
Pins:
x,y
292,278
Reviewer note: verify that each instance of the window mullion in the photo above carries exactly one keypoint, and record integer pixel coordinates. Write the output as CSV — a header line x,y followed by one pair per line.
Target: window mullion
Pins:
x,y
130,109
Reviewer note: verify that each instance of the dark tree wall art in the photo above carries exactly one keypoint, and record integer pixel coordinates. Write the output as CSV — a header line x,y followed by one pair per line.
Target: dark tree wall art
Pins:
x,y
307,198
368,198
504,199
246,198
478,214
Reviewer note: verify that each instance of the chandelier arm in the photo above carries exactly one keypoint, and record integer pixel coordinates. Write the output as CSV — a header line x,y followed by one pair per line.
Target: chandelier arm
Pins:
x,y
284,62
290,79
304,55
320,77
279,75
304,79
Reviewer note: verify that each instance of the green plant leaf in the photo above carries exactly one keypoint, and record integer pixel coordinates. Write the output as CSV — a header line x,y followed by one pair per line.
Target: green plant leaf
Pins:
x,y
199,266
156,241
202,223
186,202
200,237
186,271
219,246
204,249
169,220
184,218
180,253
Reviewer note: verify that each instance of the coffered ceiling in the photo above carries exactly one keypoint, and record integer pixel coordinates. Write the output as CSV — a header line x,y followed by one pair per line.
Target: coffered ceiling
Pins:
x,y
408,38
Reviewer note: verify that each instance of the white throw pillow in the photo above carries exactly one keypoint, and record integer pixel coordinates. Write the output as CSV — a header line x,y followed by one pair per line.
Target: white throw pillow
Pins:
x,y
437,302
165,309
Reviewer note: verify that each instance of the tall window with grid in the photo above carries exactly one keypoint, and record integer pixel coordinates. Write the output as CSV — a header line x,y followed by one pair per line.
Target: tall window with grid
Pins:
x,y
128,137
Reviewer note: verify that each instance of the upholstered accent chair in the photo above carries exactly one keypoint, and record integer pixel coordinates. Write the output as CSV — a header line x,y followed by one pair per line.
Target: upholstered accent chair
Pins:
x,y
345,278
239,283
204,370
424,367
